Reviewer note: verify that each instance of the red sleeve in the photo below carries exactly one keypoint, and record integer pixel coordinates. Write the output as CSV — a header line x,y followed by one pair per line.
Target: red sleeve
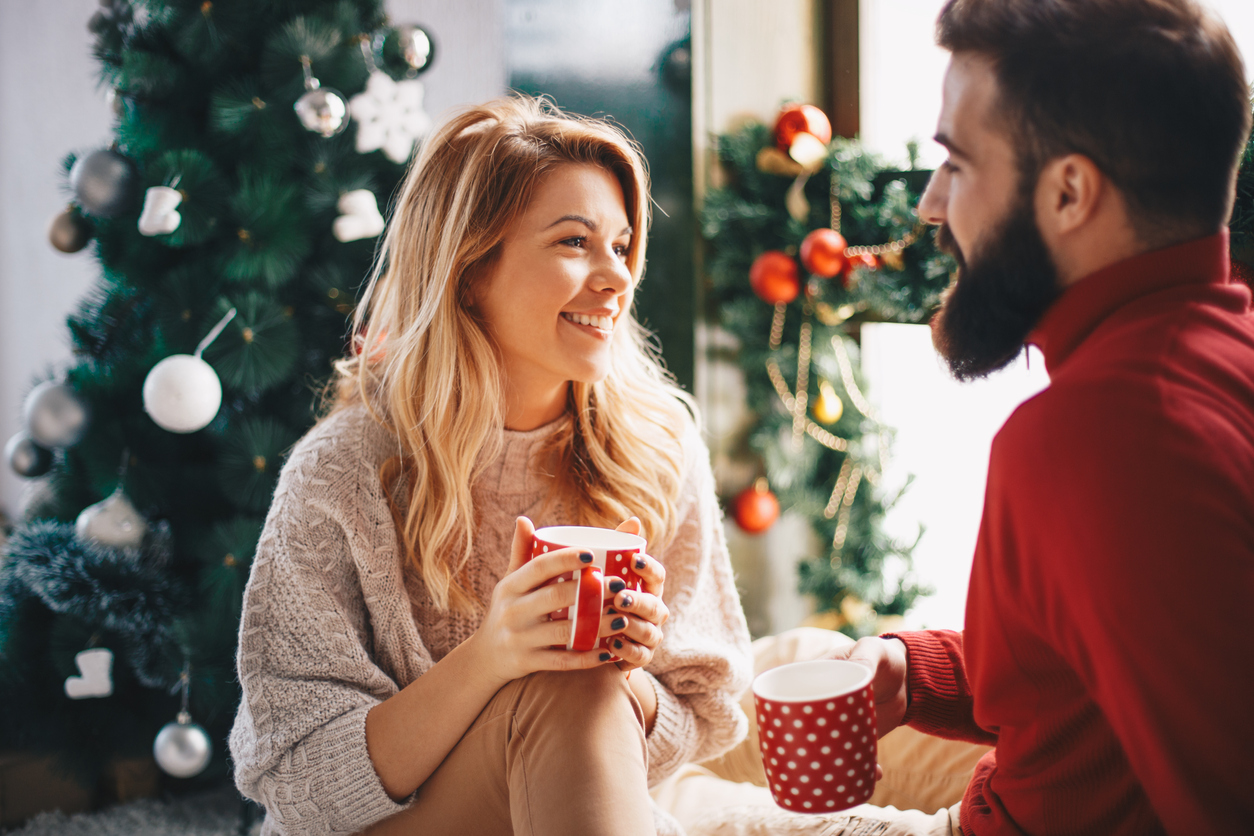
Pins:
x,y
1149,595
938,693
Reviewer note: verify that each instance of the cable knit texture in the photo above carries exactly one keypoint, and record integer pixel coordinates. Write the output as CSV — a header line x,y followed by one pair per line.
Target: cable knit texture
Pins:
x,y
334,622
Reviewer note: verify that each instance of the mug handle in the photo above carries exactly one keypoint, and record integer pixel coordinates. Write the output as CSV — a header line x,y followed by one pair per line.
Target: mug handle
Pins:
x,y
585,614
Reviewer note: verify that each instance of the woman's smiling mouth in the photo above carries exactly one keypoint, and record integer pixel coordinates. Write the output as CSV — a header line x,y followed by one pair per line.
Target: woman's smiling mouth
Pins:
x,y
603,324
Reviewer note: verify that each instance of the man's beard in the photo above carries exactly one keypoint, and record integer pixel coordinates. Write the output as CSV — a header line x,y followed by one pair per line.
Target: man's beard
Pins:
x,y
997,297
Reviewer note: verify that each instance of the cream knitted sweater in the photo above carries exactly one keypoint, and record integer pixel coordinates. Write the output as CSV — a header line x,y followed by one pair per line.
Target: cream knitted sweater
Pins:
x,y
334,623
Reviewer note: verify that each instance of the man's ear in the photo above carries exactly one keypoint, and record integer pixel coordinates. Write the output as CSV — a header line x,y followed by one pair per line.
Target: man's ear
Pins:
x,y
1069,194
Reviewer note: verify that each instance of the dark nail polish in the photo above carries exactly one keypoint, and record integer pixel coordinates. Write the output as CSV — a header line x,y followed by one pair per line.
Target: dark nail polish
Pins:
x,y
585,557
626,601
639,562
618,644
617,585
618,623
604,657
611,611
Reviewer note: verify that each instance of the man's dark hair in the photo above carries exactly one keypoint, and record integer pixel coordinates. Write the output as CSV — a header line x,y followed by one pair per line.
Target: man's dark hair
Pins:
x,y
1152,91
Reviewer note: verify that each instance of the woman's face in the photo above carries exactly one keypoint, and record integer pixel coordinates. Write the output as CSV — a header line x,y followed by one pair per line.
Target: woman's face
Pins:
x,y
560,286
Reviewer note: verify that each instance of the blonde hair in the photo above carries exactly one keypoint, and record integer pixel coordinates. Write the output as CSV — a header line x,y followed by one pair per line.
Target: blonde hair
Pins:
x,y
427,369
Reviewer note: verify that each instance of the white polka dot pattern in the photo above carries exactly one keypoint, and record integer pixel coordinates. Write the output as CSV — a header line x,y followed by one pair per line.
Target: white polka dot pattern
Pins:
x,y
800,741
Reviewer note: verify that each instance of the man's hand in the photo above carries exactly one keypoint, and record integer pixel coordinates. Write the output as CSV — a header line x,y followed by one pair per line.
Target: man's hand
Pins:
x,y
887,659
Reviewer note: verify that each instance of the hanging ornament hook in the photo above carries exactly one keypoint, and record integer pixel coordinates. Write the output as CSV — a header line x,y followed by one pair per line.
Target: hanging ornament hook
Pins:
x,y
214,333
306,67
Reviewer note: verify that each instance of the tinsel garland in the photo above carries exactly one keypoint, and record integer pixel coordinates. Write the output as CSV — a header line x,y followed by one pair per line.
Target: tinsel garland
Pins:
x,y
791,352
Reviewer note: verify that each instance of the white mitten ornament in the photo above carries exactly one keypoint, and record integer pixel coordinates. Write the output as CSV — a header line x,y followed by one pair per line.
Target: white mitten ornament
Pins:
x,y
160,215
359,216
182,393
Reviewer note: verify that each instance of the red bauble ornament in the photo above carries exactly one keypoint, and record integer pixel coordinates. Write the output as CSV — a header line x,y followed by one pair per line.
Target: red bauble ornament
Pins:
x,y
823,252
774,277
1243,272
755,509
798,119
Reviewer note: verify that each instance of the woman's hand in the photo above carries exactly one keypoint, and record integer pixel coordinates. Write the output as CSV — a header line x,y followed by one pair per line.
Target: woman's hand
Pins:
x,y
516,636
635,619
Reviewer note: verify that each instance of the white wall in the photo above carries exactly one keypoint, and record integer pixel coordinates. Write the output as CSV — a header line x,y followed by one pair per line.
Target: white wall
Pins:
x,y
50,105
901,69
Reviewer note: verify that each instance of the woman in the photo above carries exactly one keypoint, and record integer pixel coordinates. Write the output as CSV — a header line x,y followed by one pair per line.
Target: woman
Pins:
x,y
395,650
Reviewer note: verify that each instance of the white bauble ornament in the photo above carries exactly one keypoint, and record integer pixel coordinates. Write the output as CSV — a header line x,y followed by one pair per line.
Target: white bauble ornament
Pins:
x,y
113,522
27,458
182,393
96,667
182,748
389,116
54,416
359,216
160,215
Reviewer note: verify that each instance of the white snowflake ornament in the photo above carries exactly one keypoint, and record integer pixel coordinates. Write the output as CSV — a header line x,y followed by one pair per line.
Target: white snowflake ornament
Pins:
x,y
389,115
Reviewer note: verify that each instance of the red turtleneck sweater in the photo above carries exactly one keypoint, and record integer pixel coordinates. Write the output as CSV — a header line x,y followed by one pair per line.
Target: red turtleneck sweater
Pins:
x,y
1109,633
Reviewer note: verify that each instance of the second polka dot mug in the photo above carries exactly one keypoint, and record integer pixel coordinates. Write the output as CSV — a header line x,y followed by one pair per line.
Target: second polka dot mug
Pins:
x,y
613,556
816,728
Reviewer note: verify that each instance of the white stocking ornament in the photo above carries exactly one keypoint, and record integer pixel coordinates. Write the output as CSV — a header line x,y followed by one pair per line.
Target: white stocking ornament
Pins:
x,y
359,216
96,667
160,215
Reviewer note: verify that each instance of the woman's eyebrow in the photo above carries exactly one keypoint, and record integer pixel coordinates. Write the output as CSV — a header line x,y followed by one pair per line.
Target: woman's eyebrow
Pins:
x,y
592,225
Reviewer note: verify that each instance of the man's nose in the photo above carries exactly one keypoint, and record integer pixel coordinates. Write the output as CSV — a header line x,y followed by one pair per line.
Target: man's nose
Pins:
x,y
932,205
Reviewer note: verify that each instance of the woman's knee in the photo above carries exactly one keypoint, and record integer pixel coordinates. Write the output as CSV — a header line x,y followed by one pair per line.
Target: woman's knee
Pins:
x,y
600,693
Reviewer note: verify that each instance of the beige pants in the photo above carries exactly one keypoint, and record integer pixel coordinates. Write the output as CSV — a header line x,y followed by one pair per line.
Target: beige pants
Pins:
x,y
552,754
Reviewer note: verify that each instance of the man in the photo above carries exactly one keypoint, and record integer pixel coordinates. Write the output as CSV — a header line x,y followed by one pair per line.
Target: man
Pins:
x,y
1110,620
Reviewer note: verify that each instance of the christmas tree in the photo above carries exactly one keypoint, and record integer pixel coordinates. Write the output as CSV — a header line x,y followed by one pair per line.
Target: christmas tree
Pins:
x,y
234,216
810,238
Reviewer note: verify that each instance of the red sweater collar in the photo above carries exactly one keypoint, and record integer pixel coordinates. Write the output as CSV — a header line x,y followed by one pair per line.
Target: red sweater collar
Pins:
x,y
1083,305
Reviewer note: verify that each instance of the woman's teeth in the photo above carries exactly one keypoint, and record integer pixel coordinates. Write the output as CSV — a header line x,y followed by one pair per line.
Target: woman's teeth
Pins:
x,y
602,322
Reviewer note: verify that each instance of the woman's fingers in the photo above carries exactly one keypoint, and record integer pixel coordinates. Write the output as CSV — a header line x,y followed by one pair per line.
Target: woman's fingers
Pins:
x,y
631,525
629,626
570,660
651,572
630,654
524,531
644,605
546,567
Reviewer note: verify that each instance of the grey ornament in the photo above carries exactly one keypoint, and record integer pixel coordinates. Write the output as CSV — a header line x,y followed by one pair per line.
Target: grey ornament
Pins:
x,y
69,231
322,111
113,522
415,46
182,748
27,458
104,182
54,416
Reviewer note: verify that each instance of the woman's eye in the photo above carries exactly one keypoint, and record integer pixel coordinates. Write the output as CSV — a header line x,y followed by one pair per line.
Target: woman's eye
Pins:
x,y
620,250
949,167
575,241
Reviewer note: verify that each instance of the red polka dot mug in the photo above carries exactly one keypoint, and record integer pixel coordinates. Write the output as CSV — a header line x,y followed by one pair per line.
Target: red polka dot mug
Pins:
x,y
613,555
816,727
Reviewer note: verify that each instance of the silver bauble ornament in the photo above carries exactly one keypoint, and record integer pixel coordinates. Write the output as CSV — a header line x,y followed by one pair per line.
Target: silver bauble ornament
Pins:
x,y
113,522
182,748
322,111
54,416
104,182
27,458
69,231
182,393
415,46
